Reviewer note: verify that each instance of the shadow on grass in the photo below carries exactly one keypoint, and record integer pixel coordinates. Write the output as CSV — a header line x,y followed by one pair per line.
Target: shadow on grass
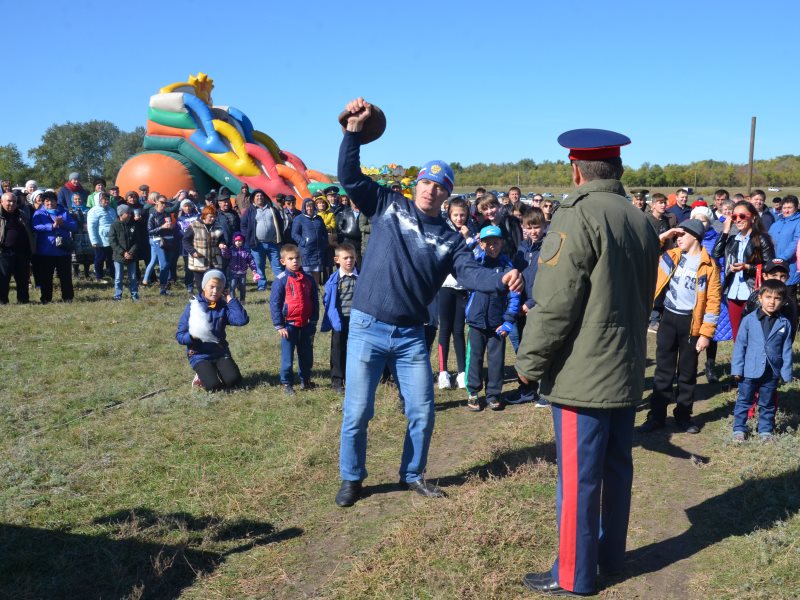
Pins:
x,y
134,559
661,439
753,505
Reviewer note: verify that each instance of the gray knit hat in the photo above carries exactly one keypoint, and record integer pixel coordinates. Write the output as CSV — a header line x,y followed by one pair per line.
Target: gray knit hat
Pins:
x,y
213,274
74,175
695,227
122,209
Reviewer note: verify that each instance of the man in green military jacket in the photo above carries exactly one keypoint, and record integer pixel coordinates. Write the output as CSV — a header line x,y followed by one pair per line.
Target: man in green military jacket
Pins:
x,y
585,342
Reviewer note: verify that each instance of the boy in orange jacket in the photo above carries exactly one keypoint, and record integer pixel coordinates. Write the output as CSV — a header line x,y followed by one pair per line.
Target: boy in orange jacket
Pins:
x,y
691,311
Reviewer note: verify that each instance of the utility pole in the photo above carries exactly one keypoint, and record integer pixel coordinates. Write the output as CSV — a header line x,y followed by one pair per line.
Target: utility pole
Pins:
x,y
752,147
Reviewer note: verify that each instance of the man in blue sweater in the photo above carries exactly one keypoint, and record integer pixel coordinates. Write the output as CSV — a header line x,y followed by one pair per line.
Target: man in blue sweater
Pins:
x,y
411,251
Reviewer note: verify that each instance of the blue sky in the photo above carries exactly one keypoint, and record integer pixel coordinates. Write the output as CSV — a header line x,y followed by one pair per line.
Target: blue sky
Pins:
x,y
460,81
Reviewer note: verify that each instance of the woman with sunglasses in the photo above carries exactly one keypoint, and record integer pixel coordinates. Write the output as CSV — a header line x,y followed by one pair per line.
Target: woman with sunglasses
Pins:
x,y
745,246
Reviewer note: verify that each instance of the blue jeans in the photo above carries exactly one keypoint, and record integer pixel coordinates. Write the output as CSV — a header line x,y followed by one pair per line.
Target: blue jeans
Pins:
x,y
765,386
158,253
301,338
372,344
262,252
119,271
238,286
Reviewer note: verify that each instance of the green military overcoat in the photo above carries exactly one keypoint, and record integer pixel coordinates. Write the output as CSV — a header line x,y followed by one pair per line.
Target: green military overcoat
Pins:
x,y
585,339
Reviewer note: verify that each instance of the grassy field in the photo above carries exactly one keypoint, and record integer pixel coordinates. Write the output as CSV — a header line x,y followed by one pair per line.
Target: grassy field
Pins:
x,y
119,481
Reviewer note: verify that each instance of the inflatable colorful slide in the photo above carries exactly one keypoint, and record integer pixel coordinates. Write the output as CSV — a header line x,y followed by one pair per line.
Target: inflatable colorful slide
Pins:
x,y
192,144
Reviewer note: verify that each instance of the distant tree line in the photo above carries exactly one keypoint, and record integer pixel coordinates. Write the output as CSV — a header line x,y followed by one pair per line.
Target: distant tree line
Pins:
x,y
99,148
779,171
94,148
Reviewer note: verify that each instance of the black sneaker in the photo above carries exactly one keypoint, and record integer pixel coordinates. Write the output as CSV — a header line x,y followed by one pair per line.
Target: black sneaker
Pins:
x,y
288,389
687,426
338,388
650,425
307,384
423,488
711,377
348,493
494,403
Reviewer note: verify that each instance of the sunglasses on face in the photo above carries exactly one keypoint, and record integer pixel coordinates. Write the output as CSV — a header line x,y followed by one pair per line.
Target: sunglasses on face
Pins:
x,y
740,217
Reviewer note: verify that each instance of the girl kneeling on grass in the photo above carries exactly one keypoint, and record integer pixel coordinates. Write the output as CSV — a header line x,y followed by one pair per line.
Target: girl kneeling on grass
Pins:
x,y
202,330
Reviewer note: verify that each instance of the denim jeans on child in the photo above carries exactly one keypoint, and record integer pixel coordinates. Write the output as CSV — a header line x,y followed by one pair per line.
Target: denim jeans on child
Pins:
x,y
301,338
238,285
372,344
120,269
765,386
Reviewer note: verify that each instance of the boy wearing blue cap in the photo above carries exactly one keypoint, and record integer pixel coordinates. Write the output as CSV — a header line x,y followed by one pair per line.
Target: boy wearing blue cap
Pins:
x,y
490,317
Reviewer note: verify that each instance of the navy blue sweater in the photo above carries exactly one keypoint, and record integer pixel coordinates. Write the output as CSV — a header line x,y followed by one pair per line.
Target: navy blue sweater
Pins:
x,y
410,254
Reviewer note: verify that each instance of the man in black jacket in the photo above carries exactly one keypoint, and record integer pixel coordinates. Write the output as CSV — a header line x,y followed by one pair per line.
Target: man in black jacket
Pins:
x,y
347,227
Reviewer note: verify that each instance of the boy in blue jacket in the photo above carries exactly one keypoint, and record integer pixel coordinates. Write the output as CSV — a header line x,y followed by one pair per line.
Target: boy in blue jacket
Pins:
x,y
294,306
490,317
534,228
338,300
762,355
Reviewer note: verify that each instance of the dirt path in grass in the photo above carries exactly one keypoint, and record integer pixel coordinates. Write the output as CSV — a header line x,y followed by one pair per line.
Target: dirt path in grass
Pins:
x,y
329,549
668,479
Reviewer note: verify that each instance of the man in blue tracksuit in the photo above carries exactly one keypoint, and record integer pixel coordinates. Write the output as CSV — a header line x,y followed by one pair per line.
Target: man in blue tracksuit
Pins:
x,y
411,251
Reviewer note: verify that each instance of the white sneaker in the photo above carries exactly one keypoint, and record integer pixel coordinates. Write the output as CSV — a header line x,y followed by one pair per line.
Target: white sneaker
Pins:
x,y
461,380
196,383
444,380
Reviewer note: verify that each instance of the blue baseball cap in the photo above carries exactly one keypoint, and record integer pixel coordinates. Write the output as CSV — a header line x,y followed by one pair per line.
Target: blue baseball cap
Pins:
x,y
439,172
491,231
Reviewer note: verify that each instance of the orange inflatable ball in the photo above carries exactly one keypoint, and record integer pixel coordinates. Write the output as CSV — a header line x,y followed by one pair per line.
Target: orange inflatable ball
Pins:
x,y
164,172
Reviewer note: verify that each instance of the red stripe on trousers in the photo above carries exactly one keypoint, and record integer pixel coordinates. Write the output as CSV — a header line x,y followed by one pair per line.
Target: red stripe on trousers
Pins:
x,y
567,541
441,359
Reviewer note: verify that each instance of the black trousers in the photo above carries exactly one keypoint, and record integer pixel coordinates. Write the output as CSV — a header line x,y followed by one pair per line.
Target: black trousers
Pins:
x,y
16,265
62,266
480,341
452,303
103,259
218,374
339,352
674,349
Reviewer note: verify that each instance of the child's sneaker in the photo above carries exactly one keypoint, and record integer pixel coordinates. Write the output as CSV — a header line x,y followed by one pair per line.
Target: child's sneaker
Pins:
x,y
116,298
307,384
461,380
766,438
288,389
474,404
196,383
541,402
494,403
134,297
444,381
738,437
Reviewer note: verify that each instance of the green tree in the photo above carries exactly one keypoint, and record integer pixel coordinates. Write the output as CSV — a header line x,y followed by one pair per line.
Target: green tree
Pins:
x,y
12,167
125,146
82,147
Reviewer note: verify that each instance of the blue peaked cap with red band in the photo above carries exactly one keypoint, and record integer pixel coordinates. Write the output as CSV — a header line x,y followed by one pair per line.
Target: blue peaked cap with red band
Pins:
x,y
593,144
439,172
